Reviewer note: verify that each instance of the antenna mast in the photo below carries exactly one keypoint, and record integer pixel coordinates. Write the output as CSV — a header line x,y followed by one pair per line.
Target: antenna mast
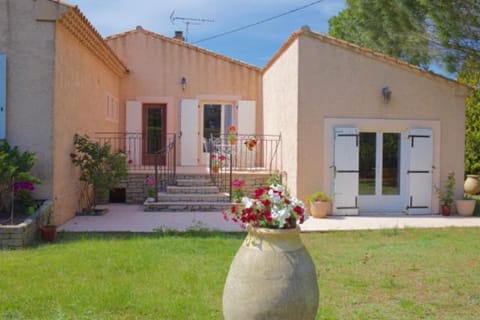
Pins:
x,y
188,22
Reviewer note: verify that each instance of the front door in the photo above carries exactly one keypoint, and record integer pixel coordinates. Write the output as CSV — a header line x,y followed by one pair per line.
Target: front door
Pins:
x,y
216,120
380,182
154,132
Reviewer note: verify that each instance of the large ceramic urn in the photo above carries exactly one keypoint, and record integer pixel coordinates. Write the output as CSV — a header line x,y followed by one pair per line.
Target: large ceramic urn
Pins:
x,y
472,184
271,277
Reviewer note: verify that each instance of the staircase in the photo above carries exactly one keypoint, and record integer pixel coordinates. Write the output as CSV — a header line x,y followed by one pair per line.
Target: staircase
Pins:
x,y
193,192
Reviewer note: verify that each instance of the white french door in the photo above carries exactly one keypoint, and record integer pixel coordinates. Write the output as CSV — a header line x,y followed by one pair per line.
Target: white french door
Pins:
x,y
345,171
380,182
216,120
420,171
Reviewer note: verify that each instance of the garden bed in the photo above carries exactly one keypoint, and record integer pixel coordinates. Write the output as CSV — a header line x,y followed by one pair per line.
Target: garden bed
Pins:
x,y
24,233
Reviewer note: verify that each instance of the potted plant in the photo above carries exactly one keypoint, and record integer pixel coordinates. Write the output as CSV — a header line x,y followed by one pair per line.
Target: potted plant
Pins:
x,y
465,206
216,162
250,143
446,196
320,204
273,258
237,190
48,231
150,185
232,135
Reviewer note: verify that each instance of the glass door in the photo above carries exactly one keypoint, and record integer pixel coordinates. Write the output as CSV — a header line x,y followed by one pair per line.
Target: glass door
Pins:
x,y
380,180
216,120
154,132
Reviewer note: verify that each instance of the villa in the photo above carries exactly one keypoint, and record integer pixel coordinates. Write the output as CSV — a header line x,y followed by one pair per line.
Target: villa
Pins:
x,y
374,132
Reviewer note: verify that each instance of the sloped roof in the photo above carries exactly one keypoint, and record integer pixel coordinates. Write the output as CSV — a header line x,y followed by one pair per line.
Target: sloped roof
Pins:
x,y
305,31
182,43
76,22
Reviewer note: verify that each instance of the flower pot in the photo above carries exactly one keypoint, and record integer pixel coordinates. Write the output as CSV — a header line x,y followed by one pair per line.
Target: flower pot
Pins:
x,y
215,169
319,209
472,184
445,209
271,277
48,233
465,207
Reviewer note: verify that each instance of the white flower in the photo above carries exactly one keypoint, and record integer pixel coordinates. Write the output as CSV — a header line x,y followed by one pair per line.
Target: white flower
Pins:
x,y
281,216
247,202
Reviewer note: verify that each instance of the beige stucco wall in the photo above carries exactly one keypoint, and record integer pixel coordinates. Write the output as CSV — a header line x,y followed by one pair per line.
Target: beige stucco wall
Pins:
x,y
280,103
335,82
82,82
157,65
27,35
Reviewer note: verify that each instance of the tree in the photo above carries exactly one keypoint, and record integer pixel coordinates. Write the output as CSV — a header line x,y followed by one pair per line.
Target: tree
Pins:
x,y
417,31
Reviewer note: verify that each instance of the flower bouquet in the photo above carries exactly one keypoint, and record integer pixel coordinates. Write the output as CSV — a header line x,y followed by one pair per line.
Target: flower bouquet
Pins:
x,y
232,135
270,208
250,143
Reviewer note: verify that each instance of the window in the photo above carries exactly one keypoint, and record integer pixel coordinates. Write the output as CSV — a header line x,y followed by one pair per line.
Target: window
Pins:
x,y
111,108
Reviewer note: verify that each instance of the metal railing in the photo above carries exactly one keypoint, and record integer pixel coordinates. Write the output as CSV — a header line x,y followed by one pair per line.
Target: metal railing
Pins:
x,y
240,152
146,153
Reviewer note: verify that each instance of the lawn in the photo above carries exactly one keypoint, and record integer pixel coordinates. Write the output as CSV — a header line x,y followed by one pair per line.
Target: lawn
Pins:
x,y
388,274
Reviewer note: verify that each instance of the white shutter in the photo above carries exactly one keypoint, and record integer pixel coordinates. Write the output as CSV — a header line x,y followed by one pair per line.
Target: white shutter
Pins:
x,y
345,171
133,128
419,173
3,96
246,117
189,132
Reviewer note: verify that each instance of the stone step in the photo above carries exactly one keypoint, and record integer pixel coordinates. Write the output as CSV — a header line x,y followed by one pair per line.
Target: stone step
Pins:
x,y
192,189
185,206
193,182
192,176
214,197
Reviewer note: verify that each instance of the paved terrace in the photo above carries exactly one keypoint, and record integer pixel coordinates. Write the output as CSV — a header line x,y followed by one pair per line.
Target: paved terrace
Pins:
x,y
121,217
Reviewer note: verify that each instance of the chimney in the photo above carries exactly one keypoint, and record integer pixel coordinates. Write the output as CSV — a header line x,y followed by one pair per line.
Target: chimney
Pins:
x,y
179,35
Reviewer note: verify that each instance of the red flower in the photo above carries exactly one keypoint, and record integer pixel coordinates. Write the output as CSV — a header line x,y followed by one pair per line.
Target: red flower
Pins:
x,y
298,210
266,202
73,155
130,161
259,192
222,157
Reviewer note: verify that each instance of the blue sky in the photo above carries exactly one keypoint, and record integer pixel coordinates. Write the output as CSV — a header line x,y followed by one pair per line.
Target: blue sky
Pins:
x,y
255,45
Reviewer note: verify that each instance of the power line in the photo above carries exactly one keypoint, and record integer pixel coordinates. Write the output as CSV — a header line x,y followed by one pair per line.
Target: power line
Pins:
x,y
260,22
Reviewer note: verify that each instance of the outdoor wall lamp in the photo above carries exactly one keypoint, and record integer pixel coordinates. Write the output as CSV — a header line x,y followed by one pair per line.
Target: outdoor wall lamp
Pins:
x,y
387,94
183,83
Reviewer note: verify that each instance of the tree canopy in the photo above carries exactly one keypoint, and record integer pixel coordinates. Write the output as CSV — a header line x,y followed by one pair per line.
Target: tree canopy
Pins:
x,y
417,31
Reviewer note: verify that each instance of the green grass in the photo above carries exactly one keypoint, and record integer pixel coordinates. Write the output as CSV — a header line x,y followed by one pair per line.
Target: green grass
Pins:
x,y
388,274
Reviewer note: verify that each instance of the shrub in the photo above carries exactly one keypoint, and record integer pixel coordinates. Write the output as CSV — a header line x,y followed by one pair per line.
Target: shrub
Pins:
x,y
15,167
101,169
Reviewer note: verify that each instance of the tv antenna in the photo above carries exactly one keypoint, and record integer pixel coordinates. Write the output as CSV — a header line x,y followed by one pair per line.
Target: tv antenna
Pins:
x,y
188,22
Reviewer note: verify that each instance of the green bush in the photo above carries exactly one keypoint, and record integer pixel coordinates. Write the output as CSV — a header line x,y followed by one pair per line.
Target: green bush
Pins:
x,y
15,167
101,169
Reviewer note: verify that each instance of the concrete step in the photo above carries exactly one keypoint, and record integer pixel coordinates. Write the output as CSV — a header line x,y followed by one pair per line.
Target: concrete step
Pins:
x,y
193,176
214,197
193,182
185,206
192,190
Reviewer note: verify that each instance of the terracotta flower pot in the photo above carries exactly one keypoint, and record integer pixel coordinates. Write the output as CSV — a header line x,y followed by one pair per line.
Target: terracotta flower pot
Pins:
x,y
445,209
465,207
271,277
48,233
320,209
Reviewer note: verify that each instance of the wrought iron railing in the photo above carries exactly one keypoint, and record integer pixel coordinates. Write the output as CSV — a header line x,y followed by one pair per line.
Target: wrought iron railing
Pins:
x,y
240,152
166,173
146,153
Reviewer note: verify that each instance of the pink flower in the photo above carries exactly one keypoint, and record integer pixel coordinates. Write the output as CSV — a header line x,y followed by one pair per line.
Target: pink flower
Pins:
x,y
238,183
